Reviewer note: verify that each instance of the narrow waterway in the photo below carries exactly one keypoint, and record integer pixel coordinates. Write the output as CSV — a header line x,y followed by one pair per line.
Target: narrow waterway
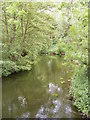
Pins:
x,y
40,93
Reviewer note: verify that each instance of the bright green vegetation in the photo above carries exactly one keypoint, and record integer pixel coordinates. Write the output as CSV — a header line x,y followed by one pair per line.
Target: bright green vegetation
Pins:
x,y
79,89
74,41
27,31
31,29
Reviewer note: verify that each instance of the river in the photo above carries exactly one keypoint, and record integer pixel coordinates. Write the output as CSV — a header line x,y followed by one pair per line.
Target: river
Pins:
x,y
40,93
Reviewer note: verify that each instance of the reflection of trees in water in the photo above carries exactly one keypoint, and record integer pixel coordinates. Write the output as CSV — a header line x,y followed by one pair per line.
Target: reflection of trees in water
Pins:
x,y
53,88
50,109
28,91
53,106
35,86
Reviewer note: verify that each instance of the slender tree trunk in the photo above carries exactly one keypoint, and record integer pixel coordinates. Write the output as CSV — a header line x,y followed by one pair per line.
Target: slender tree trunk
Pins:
x,y
14,32
22,21
22,25
24,37
6,24
14,27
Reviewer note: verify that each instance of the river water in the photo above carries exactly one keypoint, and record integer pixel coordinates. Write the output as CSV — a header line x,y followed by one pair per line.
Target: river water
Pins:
x,y
40,93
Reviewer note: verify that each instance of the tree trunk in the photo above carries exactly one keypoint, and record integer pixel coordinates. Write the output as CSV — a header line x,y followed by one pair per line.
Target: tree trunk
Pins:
x,y
6,24
14,32
24,37
22,21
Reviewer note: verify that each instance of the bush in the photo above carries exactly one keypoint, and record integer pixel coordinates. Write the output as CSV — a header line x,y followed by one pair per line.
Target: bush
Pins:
x,y
79,89
9,67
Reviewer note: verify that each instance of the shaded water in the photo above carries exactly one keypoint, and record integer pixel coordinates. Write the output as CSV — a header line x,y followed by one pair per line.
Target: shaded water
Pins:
x,y
40,93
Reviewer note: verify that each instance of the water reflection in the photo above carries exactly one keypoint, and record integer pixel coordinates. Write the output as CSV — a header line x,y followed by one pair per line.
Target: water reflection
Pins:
x,y
52,106
53,88
68,109
41,114
22,101
9,108
25,115
57,104
40,93
49,109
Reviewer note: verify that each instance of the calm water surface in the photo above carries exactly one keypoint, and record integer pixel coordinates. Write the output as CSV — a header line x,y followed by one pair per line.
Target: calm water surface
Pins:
x,y
40,93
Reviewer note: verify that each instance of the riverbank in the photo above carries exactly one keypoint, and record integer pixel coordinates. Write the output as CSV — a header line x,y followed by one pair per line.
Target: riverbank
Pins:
x,y
76,90
29,29
45,88
79,90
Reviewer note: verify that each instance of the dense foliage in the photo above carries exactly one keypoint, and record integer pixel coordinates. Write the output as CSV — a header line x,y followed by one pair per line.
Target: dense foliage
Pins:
x,y
29,31
74,41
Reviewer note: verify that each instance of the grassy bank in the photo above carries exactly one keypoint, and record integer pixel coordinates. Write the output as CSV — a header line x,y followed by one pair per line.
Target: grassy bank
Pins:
x,y
79,90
